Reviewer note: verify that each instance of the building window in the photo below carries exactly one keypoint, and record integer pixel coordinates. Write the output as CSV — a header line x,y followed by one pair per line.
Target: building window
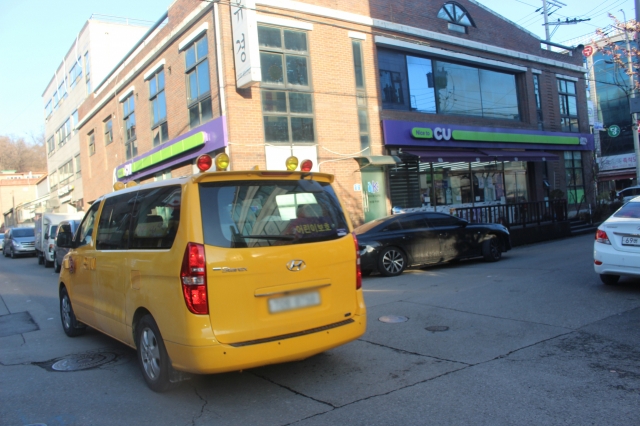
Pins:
x,y
159,126
62,91
92,143
48,109
53,180
78,167
129,118
108,131
575,181
65,173
87,72
447,89
51,145
198,86
64,132
75,73
536,91
457,17
287,112
74,120
568,106
361,96
164,175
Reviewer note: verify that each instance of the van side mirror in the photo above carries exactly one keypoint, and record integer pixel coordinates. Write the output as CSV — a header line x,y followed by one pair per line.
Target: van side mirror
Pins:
x,y
65,240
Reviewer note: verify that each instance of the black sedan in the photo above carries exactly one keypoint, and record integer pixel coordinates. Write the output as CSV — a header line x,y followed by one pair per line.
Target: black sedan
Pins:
x,y
391,244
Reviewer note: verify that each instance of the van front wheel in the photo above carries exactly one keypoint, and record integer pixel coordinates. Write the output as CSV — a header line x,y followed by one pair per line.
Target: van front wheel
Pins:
x,y
152,356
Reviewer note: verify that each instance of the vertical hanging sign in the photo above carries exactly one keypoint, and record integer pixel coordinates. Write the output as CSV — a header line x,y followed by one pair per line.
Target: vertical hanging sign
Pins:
x,y
245,43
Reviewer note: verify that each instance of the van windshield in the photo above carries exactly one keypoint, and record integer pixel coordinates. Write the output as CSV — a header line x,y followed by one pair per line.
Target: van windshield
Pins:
x,y
23,232
270,213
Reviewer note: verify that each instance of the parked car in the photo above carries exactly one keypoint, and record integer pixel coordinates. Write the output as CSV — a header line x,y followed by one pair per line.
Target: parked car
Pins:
x,y
19,242
391,244
616,250
627,194
216,272
65,229
2,241
46,225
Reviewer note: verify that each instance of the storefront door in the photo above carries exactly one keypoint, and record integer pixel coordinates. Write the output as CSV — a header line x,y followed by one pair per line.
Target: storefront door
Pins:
x,y
374,193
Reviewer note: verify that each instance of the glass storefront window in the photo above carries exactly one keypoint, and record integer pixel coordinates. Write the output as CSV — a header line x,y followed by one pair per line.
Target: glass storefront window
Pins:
x,y
457,183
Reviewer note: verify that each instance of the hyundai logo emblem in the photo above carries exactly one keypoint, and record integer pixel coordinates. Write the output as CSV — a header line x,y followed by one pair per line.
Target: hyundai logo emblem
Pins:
x,y
296,265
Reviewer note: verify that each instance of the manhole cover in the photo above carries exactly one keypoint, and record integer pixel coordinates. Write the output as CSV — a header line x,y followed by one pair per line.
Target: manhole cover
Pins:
x,y
392,319
436,328
82,362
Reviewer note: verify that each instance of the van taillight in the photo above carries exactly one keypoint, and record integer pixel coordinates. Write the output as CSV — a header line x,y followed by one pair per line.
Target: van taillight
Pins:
x,y
358,270
194,279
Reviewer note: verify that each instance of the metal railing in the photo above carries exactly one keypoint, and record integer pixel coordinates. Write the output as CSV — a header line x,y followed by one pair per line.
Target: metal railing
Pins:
x,y
528,213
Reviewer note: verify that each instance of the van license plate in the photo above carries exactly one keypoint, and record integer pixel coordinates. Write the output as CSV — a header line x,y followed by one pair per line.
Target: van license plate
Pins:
x,y
630,241
297,301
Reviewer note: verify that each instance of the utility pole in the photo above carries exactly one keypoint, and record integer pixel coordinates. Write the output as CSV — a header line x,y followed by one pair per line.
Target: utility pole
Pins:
x,y
545,12
632,84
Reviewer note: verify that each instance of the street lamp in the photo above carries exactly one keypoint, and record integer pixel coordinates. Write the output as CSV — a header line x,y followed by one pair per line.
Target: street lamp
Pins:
x,y
634,116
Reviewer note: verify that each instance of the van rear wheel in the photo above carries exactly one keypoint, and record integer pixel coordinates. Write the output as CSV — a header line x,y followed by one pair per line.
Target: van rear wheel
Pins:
x,y
152,356
56,266
72,327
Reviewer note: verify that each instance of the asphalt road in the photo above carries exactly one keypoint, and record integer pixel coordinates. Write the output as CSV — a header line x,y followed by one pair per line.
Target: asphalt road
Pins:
x,y
534,339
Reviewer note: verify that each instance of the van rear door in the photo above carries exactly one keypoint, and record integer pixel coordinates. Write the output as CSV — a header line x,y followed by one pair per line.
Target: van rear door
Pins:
x,y
280,258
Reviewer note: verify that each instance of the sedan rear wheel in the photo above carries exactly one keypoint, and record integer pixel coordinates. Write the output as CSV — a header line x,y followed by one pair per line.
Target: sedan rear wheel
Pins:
x,y
392,262
609,279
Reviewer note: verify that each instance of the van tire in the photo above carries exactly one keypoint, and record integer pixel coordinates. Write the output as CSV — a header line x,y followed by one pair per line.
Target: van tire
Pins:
x,y
152,356
47,264
56,266
40,259
71,326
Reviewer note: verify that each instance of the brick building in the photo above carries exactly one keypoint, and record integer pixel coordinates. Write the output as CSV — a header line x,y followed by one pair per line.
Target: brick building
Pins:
x,y
407,102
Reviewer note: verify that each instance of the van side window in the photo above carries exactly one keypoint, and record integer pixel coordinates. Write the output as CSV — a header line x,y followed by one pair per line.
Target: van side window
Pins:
x,y
156,217
113,227
86,227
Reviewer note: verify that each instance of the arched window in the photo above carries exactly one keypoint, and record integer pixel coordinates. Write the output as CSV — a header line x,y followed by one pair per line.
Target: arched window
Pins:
x,y
458,18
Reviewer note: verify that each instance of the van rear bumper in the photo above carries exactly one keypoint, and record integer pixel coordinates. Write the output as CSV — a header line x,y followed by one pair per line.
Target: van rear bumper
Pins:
x,y
223,358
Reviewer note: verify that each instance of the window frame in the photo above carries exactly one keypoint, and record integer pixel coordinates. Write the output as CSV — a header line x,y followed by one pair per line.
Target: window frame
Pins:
x,y
91,143
563,103
288,89
201,98
160,127
107,126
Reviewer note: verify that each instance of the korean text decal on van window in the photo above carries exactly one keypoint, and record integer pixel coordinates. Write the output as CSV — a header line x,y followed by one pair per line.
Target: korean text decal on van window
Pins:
x,y
267,213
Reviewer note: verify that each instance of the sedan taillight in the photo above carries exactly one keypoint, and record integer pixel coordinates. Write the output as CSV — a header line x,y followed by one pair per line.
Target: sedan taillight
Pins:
x,y
602,237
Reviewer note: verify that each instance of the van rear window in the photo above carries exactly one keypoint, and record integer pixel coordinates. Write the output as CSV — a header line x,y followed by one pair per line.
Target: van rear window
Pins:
x,y
270,213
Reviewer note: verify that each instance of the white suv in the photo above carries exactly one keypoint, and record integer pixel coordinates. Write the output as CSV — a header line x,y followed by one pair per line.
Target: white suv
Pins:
x,y
628,193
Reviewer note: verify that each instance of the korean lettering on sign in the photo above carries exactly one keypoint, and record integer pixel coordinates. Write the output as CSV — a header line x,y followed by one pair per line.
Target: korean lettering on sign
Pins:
x,y
245,46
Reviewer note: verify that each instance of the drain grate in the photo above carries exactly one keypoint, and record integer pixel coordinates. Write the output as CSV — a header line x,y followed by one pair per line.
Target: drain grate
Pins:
x,y
437,328
393,319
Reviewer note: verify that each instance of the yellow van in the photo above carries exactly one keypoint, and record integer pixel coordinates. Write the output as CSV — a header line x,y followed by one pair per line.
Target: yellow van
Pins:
x,y
215,272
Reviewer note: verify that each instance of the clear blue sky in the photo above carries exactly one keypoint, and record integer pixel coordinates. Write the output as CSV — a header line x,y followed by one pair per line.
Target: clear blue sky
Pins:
x,y
35,35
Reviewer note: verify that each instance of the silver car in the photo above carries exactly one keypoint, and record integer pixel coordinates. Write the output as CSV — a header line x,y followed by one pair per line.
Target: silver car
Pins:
x,y
19,242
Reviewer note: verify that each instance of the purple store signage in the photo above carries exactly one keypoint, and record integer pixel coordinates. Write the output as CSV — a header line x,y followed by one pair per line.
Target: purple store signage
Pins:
x,y
438,135
209,137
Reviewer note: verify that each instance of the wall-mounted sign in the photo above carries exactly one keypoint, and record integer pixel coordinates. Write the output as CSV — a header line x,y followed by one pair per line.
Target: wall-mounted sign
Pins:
x,y
613,131
587,51
446,135
245,42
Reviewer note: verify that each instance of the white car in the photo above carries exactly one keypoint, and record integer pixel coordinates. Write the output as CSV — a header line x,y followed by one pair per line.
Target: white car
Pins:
x,y
616,250
627,194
